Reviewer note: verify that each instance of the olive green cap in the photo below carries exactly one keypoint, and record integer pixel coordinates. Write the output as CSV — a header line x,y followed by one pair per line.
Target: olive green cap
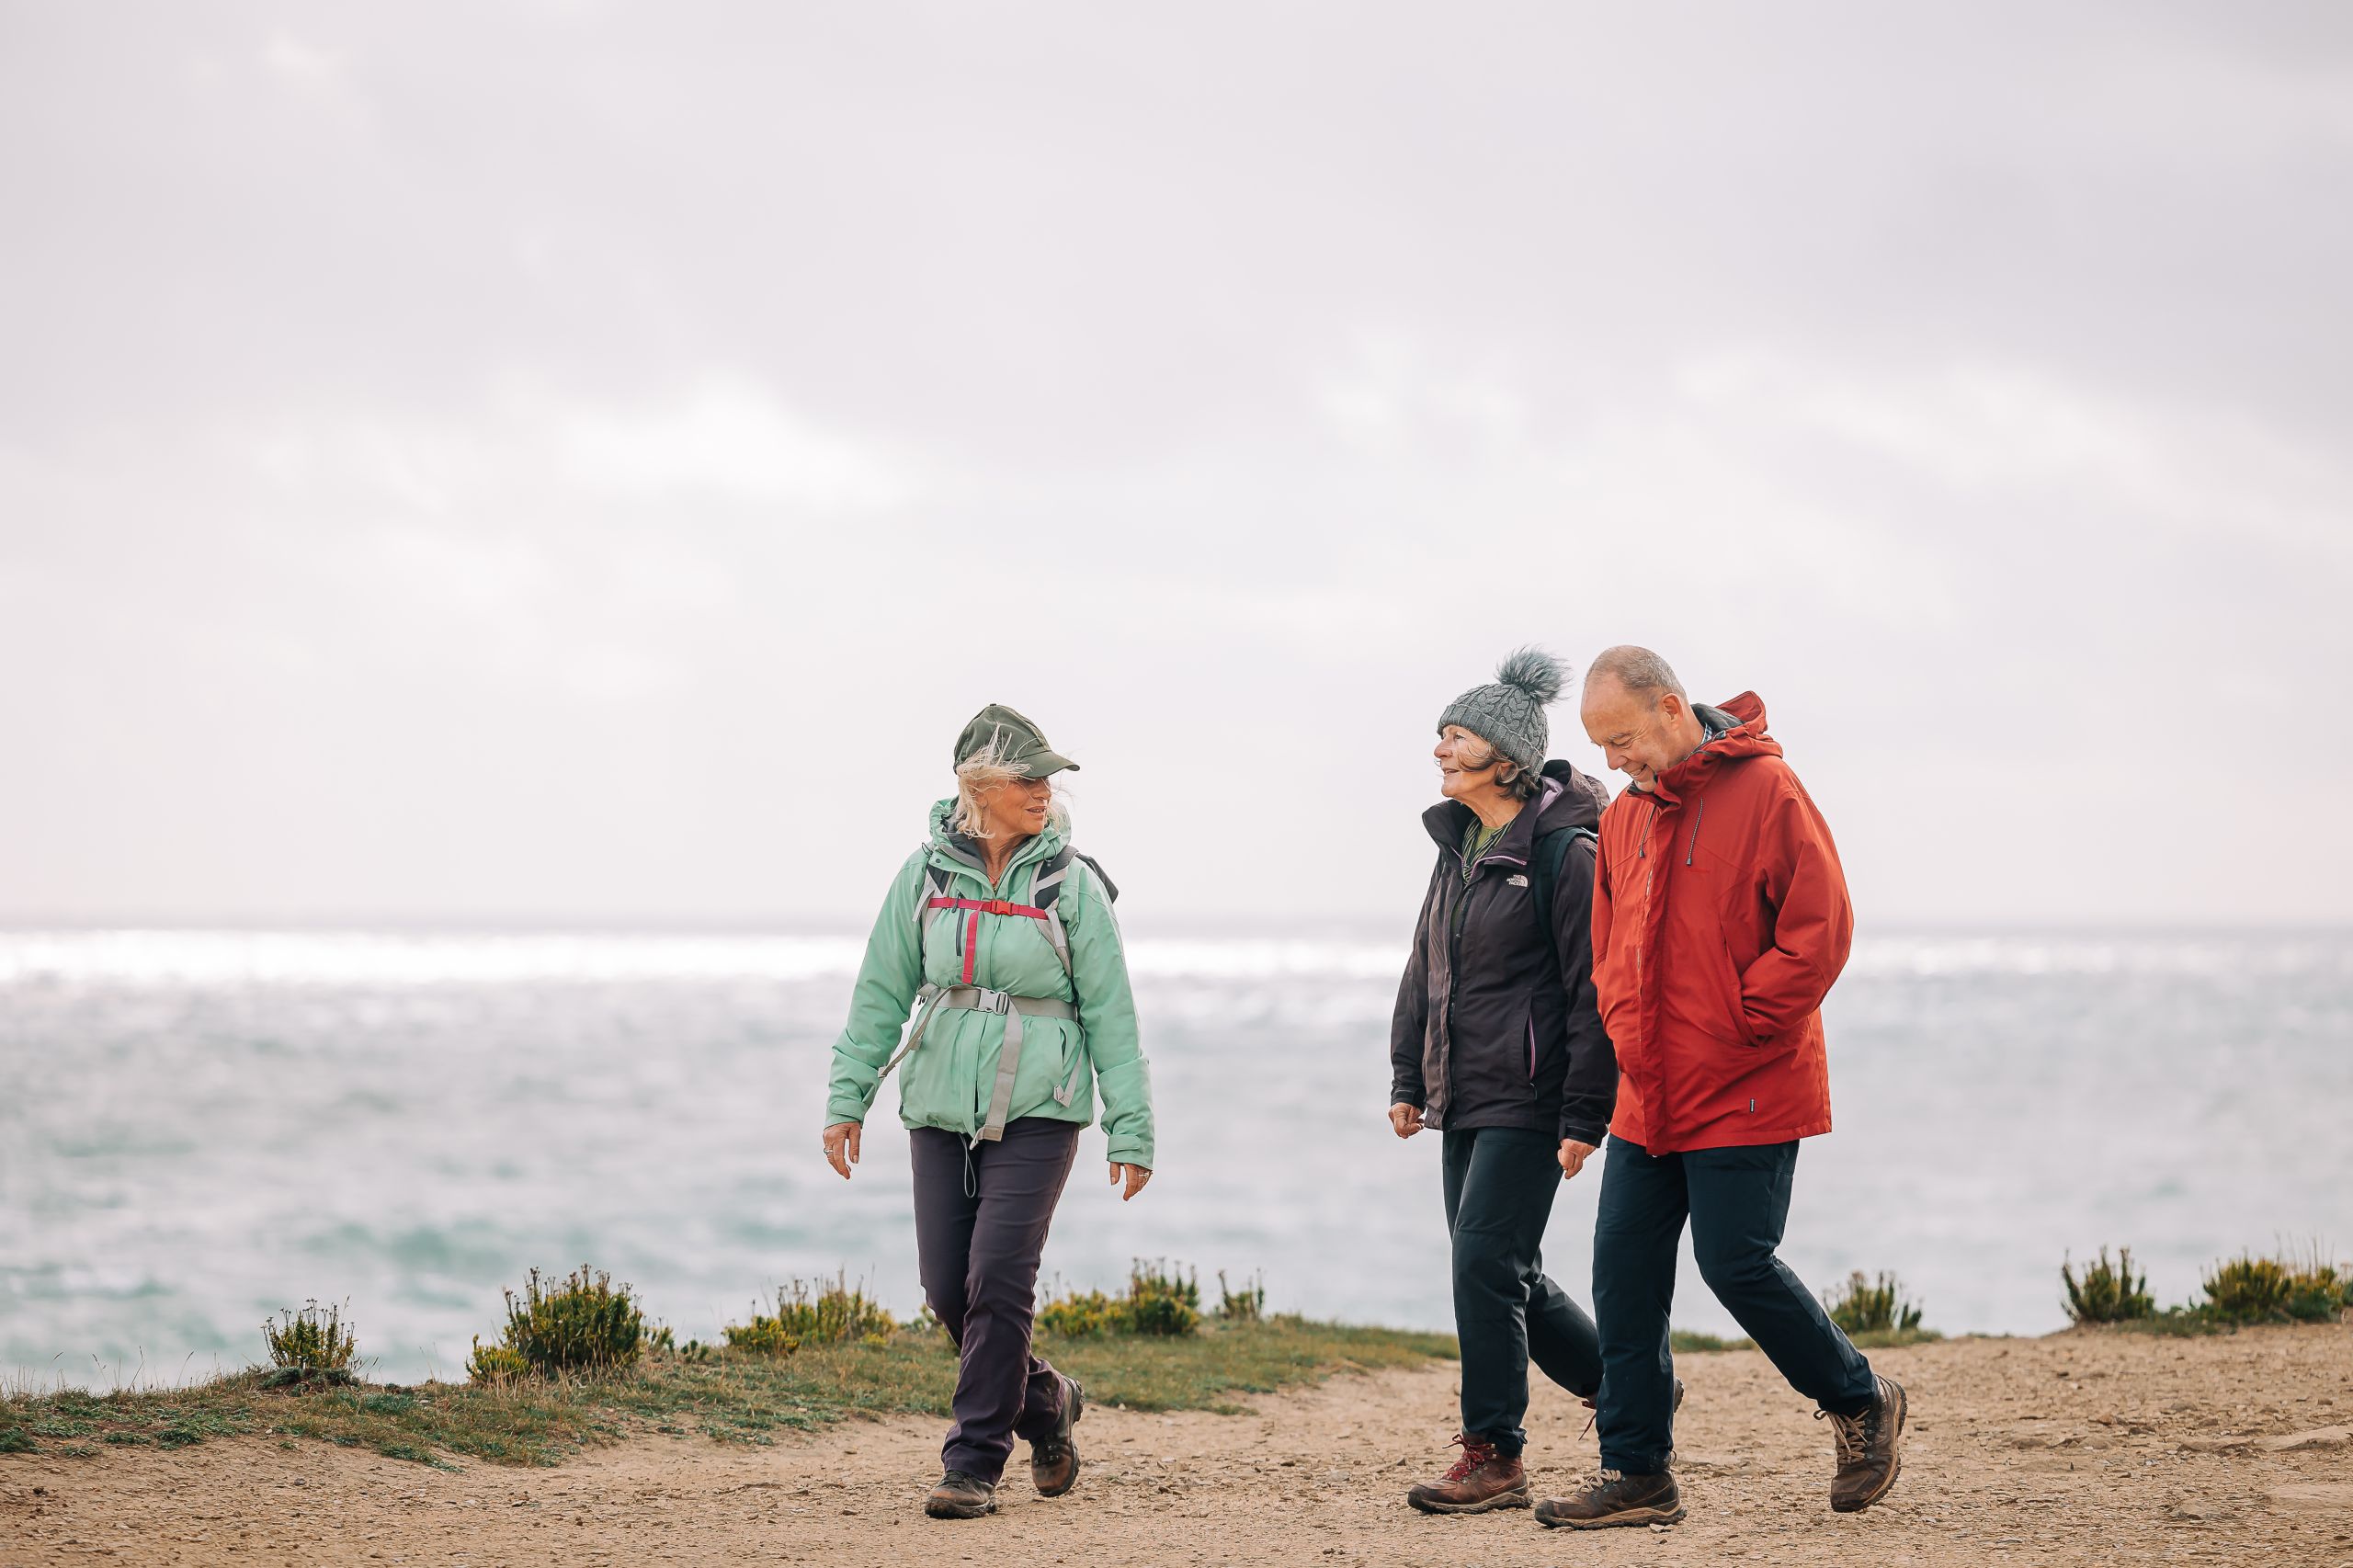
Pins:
x,y
1019,743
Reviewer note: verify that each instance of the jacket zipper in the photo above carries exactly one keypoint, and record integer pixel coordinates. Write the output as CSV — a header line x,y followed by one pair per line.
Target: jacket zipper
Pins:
x,y
1696,818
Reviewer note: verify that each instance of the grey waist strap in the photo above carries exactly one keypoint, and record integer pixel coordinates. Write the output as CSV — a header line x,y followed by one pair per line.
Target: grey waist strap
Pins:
x,y
980,999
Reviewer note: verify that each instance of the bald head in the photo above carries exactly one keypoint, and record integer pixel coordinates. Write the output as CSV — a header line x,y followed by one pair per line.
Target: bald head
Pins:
x,y
1637,713
1640,671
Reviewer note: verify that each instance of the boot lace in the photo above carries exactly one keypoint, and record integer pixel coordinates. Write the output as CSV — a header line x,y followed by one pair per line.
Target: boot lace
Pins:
x,y
1852,1434
1475,1453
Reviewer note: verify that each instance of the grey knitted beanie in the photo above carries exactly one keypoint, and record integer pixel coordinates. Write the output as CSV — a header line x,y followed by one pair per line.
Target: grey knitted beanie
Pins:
x,y
1509,715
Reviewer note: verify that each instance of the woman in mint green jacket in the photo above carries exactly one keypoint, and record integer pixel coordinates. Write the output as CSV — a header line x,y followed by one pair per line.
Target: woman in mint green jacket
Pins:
x,y
1001,938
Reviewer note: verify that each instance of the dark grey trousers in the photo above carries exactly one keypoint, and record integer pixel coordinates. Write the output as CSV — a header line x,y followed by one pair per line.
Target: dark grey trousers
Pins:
x,y
1500,1183
980,1230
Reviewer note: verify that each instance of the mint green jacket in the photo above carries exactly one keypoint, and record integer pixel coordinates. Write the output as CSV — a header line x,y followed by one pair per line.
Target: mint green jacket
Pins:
x,y
947,1081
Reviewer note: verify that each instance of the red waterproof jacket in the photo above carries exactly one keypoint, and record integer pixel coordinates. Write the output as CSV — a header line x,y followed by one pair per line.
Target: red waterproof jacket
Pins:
x,y
1720,919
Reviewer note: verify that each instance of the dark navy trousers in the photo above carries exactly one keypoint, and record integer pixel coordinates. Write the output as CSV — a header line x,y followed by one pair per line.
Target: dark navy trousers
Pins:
x,y
1737,1201
980,1230
1499,1186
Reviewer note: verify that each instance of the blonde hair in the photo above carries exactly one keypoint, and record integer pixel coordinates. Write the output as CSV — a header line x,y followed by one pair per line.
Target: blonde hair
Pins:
x,y
978,775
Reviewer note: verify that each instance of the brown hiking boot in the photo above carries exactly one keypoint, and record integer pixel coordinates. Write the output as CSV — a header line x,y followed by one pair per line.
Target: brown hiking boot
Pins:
x,y
1482,1479
961,1496
1054,1458
1613,1497
1870,1449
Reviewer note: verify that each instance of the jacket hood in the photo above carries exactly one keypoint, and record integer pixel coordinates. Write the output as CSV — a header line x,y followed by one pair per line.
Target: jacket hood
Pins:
x,y
1569,798
966,851
1742,718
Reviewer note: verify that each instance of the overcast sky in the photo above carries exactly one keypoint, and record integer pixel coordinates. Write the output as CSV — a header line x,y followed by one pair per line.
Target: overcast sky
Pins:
x,y
579,461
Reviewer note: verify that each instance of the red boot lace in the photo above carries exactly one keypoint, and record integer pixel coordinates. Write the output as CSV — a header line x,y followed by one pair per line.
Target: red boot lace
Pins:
x,y
1475,1454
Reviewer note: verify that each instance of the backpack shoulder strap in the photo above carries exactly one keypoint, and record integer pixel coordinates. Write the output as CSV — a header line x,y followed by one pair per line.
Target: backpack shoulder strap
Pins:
x,y
1552,852
1046,893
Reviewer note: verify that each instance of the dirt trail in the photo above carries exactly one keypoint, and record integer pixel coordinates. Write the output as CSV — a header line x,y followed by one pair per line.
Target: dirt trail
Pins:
x,y
2078,1449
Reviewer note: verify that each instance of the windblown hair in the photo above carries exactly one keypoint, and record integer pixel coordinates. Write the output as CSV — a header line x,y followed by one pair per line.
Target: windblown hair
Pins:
x,y
984,771
1640,671
1476,751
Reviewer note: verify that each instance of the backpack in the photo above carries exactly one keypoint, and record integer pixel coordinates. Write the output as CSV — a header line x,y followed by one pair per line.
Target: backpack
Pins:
x,y
1045,892
1544,867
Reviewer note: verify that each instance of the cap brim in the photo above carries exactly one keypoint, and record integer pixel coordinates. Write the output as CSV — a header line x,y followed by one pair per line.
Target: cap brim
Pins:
x,y
1044,764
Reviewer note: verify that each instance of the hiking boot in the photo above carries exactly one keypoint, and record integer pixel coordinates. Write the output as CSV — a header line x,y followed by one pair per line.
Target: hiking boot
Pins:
x,y
1054,1458
1613,1497
961,1496
1482,1479
1870,1449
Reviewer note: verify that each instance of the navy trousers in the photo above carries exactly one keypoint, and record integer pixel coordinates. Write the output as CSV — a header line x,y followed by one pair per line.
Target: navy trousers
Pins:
x,y
1499,1186
1737,1201
980,1230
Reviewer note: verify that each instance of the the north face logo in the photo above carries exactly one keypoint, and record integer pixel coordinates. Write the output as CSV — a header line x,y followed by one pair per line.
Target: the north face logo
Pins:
x,y
1515,881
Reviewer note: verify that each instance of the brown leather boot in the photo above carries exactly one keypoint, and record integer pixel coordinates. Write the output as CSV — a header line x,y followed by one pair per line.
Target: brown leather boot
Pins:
x,y
1482,1479
1054,1458
1870,1449
1613,1497
961,1496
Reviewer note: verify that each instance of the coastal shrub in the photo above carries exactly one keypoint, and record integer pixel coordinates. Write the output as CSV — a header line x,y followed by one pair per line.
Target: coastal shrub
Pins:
x,y
16,1441
1162,1300
1245,1305
495,1364
581,1324
1090,1316
315,1344
826,1315
2247,1289
1863,1306
2108,1292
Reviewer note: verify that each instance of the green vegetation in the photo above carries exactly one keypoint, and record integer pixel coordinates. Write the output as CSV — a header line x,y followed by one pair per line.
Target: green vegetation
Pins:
x,y
1862,1306
1160,1301
311,1345
2247,1289
831,1315
1683,1342
582,1324
2238,1292
729,1395
1245,1305
2108,1292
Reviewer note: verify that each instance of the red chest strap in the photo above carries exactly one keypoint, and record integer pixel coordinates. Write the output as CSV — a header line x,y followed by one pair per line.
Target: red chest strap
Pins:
x,y
987,906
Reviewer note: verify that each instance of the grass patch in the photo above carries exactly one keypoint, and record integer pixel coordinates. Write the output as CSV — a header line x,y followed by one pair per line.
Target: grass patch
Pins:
x,y
1683,1342
728,1396
1863,1305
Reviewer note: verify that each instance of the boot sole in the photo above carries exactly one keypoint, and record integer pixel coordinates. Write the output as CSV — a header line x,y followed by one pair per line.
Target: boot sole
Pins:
x,y
1500,1500
959,1510
1077,1409
1628,1519
1894,1458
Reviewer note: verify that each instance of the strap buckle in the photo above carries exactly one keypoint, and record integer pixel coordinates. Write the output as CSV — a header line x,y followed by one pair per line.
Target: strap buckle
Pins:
x,y
988,1001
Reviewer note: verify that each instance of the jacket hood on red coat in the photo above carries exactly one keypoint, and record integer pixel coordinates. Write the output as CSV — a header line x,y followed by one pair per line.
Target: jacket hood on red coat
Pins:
x,y
1742,718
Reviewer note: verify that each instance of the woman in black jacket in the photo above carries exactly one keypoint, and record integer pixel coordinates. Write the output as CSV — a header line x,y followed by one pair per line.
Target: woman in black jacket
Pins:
x,y
1498,1046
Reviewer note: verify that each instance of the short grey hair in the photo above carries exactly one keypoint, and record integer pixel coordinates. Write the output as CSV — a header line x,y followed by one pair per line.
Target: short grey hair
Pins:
x,y
1476,751
1640,671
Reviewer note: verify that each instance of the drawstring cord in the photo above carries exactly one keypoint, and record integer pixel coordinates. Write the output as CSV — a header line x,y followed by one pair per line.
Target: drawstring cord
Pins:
x,y
971,1177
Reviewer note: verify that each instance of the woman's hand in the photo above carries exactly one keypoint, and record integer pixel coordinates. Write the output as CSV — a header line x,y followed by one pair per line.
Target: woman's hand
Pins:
x,y
1573,1156
841,1146
1406,1118
1135,1177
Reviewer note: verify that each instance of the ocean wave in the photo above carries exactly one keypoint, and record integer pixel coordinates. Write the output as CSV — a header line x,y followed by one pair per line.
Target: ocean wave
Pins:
x,y
228,958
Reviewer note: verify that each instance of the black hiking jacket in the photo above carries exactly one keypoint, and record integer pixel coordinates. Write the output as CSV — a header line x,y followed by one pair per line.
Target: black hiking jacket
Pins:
x,y
1497,1024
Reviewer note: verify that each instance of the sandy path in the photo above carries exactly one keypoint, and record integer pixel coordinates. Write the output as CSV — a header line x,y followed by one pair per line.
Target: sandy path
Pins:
x,y
2071,1450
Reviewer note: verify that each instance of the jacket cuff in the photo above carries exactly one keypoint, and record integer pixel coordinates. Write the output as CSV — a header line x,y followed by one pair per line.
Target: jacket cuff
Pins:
x,y
1583,1132
841,1108
1409,1094
1129,1151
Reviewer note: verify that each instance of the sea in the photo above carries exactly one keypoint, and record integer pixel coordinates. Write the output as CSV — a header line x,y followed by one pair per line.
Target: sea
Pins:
x,y
200,1129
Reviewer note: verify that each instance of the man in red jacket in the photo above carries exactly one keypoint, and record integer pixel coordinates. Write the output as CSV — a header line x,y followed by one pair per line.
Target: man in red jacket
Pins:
x,y
1720,920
